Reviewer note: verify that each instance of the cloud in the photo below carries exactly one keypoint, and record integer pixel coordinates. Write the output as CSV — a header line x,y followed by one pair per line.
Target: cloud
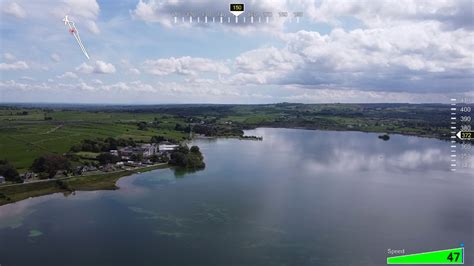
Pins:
x,y
27,78
374,14
325,94
412,51
127,66
85,68
202,91
92,27
265,65
28,87
134,71
84,86
18,65
102,67
9,57
97,81
419,57
84,8
15,10
67,75
55,57
184,66
99,67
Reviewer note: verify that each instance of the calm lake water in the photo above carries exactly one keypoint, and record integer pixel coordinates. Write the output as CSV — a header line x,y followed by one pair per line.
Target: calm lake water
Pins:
x,y
298,197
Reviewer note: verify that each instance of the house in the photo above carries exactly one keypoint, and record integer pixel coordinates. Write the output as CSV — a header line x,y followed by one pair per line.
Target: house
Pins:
x,y
146,150
127,151
167,147
149,150
133,164
84,169
109,168
114,152
27,176
2,179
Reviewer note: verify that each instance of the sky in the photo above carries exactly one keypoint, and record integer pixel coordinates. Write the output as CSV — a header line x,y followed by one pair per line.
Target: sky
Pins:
x,y
348,51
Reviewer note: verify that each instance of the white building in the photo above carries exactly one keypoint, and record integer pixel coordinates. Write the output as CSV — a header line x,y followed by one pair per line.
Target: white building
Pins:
x,y
168,147
146,150
149,150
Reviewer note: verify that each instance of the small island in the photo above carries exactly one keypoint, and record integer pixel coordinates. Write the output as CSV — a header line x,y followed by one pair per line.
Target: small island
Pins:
x,y
384,137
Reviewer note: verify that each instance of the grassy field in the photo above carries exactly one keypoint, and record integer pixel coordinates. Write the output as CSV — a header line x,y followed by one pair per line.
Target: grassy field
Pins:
x,y
26,137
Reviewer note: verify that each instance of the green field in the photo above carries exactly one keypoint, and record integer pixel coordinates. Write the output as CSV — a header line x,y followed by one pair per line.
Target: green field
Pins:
x,y
24,138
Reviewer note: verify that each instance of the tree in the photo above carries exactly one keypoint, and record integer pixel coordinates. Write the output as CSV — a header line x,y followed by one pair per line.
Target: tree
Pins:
x,y
195,161
187,158
137,157
179,127
159,158
183,149
157,139
178,158
105,158
50,164
142,126
9,171
102,145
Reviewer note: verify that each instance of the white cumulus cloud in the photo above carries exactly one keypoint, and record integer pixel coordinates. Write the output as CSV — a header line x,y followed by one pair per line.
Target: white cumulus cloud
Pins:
x,y
67,75
184,66
19,65
99,67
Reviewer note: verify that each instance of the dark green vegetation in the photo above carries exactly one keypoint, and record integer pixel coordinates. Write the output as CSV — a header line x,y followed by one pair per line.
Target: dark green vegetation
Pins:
x,y
191,159
384,137
25,134
17,192
102,145
49,164
8,171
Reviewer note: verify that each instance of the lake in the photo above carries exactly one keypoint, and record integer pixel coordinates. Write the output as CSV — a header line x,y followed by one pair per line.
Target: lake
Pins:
x,y
299,197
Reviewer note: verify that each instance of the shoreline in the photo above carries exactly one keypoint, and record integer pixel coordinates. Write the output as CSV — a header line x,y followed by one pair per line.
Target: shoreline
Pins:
x,y
106,181
413,134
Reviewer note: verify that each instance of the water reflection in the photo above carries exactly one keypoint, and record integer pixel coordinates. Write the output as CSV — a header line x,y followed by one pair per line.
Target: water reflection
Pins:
x,y
353,151
298,197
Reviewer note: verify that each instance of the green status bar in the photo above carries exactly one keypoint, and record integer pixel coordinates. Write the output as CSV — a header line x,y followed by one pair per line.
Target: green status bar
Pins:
x,y
447,256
